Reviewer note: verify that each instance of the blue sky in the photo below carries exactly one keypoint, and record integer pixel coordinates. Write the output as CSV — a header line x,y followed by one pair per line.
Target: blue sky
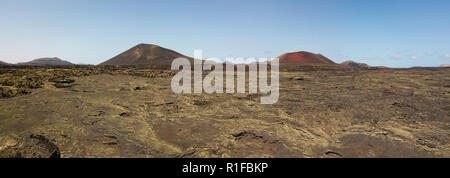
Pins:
x,y
394,33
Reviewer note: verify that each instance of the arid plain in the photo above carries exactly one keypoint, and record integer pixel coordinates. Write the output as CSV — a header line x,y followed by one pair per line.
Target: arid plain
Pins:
x,y
323,111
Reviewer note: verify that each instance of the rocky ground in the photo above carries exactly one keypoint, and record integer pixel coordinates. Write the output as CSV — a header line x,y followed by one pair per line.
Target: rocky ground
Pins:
x,y
130,112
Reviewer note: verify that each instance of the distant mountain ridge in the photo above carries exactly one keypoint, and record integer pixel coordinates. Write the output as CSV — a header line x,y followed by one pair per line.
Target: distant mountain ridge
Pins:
x,y
304,57
46,62
145,54
3,63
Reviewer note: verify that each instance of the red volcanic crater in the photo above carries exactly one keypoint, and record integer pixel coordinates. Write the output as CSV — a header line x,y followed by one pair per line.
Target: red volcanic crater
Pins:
x,y
304,57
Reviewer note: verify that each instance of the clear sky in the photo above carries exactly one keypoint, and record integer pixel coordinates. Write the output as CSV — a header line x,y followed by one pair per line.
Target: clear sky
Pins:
x,y
394,33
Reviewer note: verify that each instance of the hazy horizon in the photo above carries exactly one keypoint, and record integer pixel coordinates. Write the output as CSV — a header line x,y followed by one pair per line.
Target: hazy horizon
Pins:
x,y
402,33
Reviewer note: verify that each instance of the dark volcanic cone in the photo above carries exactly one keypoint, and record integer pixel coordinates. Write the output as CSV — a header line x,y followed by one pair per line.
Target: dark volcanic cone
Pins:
x,y
145,54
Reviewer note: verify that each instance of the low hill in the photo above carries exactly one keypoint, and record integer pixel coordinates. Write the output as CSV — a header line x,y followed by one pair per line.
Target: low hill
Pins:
x,y
46,62
355,64
444,65
145,54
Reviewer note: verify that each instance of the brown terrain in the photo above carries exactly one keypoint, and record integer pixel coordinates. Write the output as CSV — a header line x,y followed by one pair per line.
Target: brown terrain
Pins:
x,y
131,111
